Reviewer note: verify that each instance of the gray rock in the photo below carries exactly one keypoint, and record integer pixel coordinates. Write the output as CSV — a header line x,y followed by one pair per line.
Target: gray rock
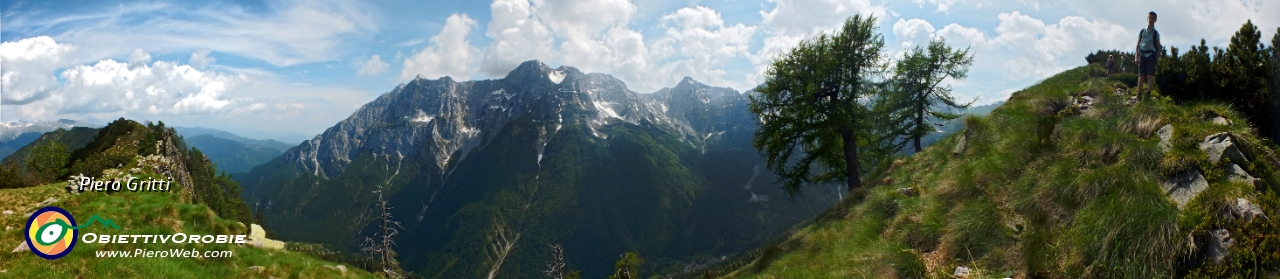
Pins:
x,y
1166,137
959,149
22,247
1220,243
1244,209
8,212
908,191
1221,121
340,268
962,272
1184,187
1237,174
257,268
1220,145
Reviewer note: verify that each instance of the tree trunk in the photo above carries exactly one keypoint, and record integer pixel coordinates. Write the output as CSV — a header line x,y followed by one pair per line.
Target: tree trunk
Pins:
x,y
919,123
850,157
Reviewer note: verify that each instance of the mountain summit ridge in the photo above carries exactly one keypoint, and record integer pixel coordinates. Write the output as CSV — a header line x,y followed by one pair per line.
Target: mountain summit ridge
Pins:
x,y
452,117
553,155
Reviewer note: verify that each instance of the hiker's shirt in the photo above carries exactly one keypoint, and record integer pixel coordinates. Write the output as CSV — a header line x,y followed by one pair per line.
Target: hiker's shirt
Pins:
x,y
1147,42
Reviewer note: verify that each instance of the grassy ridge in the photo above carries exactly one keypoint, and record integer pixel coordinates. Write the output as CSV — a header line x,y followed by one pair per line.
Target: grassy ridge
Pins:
x,y
1045,190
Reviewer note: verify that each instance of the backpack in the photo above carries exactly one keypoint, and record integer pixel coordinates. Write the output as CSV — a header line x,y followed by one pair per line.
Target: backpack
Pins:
x,y
1155,40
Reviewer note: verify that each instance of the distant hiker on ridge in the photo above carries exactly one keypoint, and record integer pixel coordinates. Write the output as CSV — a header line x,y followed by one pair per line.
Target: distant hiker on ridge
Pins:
x,y
1146,54
1111,64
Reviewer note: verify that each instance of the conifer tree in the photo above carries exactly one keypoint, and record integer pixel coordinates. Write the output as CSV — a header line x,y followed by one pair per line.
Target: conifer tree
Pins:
x,y
812,102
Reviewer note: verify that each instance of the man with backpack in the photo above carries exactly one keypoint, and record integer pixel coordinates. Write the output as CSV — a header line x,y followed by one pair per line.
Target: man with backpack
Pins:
x,y
1146,54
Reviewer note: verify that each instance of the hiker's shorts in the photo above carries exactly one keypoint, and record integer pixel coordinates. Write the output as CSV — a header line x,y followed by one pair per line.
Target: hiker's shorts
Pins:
x,y
1148,66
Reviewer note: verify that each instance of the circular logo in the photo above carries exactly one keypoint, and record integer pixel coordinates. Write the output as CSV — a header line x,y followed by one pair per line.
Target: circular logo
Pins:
x,y
51,233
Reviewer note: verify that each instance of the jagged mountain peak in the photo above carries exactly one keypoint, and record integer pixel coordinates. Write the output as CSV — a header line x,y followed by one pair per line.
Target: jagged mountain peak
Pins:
x,y
533,69
445,119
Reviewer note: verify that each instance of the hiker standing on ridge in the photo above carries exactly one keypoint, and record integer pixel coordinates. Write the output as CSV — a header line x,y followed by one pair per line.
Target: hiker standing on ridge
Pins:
x,y
1146,54
1111,64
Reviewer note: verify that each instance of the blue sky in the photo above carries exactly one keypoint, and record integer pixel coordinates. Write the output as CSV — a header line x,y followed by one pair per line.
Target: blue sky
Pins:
x,y
290,69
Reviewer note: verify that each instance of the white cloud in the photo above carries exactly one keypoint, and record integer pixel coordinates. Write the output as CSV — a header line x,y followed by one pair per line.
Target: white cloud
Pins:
x,y
200,59
943,5
702,44
696,41
451,54
139,58
1029,48
287,33
797,17
581,19
28,64
1184,22
913,32
517,36
108,89
957,35
791,21
373,66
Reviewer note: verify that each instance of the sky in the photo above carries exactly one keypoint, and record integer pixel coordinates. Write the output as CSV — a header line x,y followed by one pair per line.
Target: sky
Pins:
x,y
290,69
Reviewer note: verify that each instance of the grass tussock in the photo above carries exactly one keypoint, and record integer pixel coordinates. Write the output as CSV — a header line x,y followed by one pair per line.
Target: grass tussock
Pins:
x,y
1046,188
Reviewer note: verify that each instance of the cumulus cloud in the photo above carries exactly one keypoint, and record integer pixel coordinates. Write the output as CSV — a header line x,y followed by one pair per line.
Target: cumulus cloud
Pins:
x,y
139,57
109,89
913,32
27,75
703,44
517,36
791,21
451,54
1185,22
373,66
200,59
593,36
1030,48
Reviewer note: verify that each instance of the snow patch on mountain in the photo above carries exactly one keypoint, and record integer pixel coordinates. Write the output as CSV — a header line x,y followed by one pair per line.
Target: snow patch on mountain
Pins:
x,y
557,76
422,117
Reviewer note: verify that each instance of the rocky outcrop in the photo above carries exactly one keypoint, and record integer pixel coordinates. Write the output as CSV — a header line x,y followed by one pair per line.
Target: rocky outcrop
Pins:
x,y
1221,145
1219,120
22,247
1184,187
1220,243
959,149
1243,209
258,238
1166,137
1237,174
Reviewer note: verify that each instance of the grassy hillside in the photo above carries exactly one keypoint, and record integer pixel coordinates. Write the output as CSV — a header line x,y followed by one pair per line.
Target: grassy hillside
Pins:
x,y
200,202
1046,189
144,213
74,138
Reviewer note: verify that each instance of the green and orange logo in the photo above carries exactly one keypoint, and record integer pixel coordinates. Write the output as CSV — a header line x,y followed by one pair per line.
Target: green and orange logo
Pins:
x,y
51,232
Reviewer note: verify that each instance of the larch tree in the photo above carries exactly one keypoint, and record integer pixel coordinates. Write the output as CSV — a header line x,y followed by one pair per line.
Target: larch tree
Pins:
x,y
813,102
919,99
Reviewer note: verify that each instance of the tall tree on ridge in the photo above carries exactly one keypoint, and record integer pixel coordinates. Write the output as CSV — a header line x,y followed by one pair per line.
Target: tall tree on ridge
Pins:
x,y
811,102
917,91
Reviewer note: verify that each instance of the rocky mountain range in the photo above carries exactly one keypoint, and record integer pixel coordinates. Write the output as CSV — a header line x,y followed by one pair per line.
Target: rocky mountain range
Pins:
x,y
485,175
